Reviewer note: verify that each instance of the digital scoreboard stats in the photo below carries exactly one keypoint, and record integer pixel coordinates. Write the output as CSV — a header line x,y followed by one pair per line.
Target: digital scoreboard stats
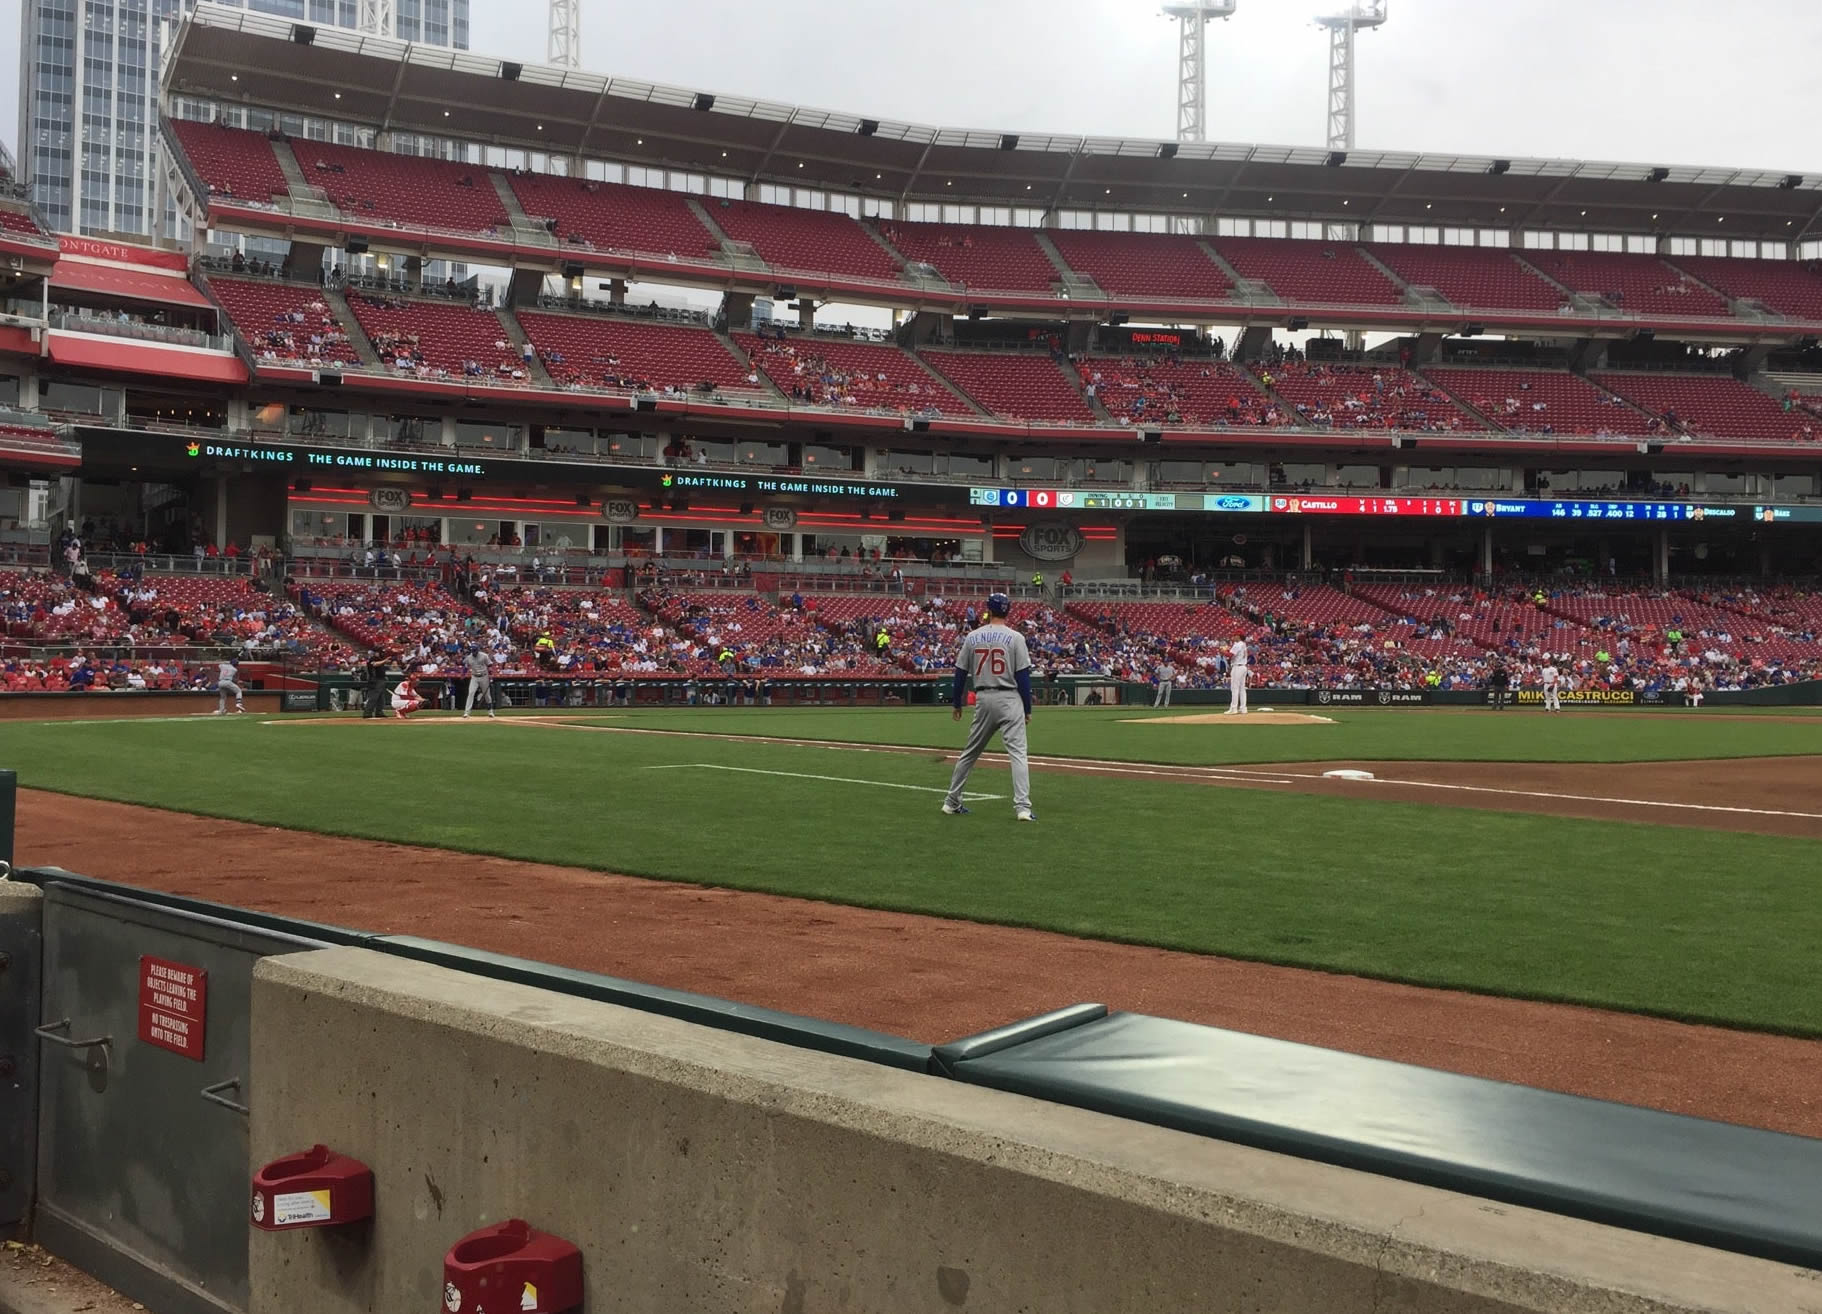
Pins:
x,y
1433,508
1074,499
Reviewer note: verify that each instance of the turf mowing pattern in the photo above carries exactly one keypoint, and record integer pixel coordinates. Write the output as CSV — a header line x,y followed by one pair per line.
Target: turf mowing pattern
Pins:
x,y
1119,734
1695,924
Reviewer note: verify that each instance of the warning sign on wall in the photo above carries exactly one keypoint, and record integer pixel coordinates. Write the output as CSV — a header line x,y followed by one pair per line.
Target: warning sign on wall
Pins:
x,y
173,1005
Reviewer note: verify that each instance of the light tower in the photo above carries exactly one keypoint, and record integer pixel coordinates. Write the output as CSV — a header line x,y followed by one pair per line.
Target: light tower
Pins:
x,y
376,17
1367,14
566,33
1193,18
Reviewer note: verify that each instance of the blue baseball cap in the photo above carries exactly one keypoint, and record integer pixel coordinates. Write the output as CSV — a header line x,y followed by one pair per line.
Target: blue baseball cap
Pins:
x,y
999,604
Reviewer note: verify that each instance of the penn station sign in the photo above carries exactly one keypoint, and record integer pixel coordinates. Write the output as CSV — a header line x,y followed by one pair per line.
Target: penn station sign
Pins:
x,y
1051,540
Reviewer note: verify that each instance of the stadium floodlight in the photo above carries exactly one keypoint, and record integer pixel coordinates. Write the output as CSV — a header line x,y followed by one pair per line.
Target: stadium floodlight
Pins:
x,y
566,33
1342,27
1193,18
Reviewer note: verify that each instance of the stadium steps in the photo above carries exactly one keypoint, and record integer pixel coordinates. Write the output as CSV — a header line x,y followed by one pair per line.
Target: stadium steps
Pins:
x,y
1415,294
357,336
942,382
740,254
1077,285
534,369
1252,290
897,256
294,172
1101,413
739,353
510,199
1646,411
1536,271
923,277
1733,303
1462,403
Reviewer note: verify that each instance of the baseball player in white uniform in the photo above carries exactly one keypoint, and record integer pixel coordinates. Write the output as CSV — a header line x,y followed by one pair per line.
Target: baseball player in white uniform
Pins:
x,y
1236,678
995,659
227,681
1167,679
1553,683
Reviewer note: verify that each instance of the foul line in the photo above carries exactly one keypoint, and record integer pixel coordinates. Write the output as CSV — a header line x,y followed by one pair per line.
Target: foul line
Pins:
x,y
1254,775
804,775
1585,798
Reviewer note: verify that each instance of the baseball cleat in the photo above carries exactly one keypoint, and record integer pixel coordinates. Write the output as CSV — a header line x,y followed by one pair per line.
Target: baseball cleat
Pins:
x,y
1027,816
954,810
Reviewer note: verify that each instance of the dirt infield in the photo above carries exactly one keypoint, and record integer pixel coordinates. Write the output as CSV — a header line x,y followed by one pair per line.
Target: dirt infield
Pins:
x,y
917,976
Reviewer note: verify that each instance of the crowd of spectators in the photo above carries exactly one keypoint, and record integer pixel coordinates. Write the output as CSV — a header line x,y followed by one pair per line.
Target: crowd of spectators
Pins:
x,y
807,375
1362,397
128,629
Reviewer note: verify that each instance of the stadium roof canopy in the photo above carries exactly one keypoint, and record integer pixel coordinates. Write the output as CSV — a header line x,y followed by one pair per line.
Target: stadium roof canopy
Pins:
x,y
239,57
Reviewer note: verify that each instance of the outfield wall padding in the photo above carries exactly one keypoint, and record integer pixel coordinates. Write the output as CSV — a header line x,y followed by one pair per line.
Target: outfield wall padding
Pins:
x,y
727,1174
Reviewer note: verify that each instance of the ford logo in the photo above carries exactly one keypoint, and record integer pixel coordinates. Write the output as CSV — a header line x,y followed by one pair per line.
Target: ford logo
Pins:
x,y
1233,503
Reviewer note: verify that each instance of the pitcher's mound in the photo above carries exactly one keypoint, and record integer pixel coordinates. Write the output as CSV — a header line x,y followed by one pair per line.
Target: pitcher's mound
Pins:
x,y
1222,718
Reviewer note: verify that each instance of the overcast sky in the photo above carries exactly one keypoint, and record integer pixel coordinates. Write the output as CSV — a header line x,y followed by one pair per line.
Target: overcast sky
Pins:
x,y
1726,82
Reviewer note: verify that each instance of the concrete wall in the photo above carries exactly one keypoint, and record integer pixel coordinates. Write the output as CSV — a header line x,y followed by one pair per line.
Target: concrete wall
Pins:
x,y
710,1173
21,976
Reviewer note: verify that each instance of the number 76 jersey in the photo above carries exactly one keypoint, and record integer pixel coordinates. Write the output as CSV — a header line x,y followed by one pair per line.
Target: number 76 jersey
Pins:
x,y
993,656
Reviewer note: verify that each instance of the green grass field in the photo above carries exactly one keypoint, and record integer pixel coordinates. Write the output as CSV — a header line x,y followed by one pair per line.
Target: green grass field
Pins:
x,y
1121,734
1686,923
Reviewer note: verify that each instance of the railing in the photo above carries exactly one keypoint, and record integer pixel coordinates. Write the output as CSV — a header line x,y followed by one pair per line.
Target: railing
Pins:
x,y
72,322
170,563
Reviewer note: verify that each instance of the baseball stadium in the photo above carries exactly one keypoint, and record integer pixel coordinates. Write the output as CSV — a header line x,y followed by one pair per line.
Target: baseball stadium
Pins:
x,y
621,697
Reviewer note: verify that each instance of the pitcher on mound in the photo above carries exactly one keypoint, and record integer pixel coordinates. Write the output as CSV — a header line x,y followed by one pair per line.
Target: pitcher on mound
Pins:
x,y
1236,679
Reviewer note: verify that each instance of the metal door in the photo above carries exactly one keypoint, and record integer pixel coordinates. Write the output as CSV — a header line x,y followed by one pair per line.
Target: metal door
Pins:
x,y
142,1152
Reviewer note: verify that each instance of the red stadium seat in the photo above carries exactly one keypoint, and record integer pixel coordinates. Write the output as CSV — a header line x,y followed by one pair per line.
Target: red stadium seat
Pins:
x,y
1365,397
284,321
1784,286
1569,403
1308,272
1642,284
1143,264
615,217
839,372
438,338
1470,277
1017,385
1150,390
1707,405
977,256
789,238
598,350
408,191
232,162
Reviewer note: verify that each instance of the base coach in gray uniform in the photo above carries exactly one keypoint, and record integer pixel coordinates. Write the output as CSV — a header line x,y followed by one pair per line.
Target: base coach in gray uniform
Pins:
x,y
480,681
995,659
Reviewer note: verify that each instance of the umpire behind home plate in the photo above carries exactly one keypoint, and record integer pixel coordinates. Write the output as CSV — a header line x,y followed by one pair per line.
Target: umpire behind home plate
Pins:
x,y
995,658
